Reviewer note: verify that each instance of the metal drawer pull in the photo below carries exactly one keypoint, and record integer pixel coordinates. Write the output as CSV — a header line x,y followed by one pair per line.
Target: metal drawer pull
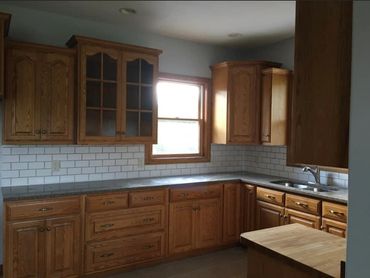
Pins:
x,y
44,131
107,203
184,194
45,209
301,204
270,197
48,229
106,225
150,246
106,255
148,198
337,213
150,219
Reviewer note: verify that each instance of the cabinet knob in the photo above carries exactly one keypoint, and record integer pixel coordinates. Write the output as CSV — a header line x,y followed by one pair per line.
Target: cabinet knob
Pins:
x,y
41,229
38,131
44,131
48,229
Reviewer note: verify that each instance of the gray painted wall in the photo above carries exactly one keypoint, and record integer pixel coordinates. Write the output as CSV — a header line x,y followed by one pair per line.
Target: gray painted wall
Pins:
x,y
358,244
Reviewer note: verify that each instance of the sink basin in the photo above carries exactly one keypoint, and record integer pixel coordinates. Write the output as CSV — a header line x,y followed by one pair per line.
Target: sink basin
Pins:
x,y
306,187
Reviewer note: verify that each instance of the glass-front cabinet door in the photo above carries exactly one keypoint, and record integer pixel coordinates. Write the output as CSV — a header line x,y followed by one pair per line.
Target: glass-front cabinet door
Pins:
x,y
139,109
100,100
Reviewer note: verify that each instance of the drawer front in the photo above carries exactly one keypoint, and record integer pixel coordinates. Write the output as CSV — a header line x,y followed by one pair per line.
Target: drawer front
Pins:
x,y
196,192
102,226
43,208
304,204
334,227
147,198
334,211
106,202
270,196
122,252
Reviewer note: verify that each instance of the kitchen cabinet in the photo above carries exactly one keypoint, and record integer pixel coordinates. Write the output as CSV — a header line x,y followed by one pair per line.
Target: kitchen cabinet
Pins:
x,y
195,220
276,86
293,216
43,238
269,215
39,95
334,218
4,28
322,75
248,204
237,101
231,213
334,227
116,92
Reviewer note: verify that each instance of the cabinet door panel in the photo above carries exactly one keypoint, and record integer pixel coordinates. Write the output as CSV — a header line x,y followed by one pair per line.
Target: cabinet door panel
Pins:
x,y
57,87
269,215
266,108
248,207
63,247
309,220
181,227
25,250
244,105
209,221
231,213
334,227
22,104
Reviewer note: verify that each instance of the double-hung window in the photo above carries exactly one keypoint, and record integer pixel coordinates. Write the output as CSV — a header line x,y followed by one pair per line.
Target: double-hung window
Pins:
x,y
183,120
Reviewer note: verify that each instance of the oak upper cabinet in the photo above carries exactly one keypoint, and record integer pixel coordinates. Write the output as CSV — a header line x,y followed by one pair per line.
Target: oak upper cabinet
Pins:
x,y
116,92
322,73
231,213
4,27
248,207
39,94
276,86
236,102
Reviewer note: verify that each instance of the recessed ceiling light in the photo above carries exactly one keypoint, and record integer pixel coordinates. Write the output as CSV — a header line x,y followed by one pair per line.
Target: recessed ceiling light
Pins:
x,y
234,35
127,11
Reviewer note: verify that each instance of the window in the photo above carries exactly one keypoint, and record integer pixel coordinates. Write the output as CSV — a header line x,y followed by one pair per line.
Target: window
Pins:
x,y
183,121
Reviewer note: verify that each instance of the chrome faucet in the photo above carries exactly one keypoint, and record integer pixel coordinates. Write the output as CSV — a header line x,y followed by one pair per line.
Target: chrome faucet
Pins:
x,y
314,171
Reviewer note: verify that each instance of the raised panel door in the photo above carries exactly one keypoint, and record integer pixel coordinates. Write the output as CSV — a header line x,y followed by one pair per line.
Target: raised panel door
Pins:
x,y
266,107
182,227
63,252
248,207
22,99
231,213
25,247
209,223
244,105
57,95
269,215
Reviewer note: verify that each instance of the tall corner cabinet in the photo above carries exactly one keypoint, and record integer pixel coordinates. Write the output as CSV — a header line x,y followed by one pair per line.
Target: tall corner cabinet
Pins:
x,y
237,101
39,94
4,28
319,132
116,92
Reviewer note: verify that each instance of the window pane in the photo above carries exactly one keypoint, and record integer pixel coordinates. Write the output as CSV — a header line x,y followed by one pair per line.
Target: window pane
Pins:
x,y
178,100
177,137
93,66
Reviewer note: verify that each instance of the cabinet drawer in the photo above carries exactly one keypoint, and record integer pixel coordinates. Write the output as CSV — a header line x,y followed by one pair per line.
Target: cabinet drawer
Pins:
x,y
147,198
334,227
196,192
106,202
127,251
334,211
42,208
304,204
270,196
114,224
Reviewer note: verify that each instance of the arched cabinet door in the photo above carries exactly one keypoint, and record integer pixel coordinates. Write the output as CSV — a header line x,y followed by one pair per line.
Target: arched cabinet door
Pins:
x,y
22,101
139,101
100,95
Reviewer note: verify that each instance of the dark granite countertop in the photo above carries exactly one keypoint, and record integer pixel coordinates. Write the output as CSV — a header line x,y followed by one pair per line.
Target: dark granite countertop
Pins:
x,y
62,189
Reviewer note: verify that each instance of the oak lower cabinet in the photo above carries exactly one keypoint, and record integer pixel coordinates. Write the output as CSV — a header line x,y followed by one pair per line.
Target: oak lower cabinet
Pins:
x,y
39,94
268,215
231,227
334,218
293,216
334,227
248,207
48,246
195,223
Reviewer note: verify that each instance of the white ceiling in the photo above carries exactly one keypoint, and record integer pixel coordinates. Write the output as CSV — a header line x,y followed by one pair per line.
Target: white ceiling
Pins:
x,y
259,22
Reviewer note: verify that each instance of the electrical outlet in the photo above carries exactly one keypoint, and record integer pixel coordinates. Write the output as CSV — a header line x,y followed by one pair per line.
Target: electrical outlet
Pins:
x,y
55,165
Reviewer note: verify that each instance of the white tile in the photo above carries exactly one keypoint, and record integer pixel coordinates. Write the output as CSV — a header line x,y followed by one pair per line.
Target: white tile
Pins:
x,y
74,171
74,156
36,180
10,174
20,150
27,173
43,157
53,179
19,181
10,158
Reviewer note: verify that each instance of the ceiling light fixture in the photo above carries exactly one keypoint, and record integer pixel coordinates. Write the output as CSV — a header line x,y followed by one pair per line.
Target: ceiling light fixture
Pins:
x,y
234,35
127,11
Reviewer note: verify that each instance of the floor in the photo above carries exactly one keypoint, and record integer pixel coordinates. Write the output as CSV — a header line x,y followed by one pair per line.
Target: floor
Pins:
x,y
230,263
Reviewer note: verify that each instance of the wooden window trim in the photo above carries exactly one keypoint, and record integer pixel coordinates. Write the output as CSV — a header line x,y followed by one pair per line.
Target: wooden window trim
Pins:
x,y
204,120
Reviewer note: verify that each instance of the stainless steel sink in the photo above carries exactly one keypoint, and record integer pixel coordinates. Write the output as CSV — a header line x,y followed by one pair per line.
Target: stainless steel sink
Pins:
x,y
306,187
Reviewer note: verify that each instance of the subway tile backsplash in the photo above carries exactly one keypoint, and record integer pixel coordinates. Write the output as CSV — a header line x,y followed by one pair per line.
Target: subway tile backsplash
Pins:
x,y
25,165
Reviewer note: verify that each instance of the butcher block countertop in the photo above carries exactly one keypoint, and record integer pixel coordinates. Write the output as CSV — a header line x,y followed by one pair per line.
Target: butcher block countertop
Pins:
x,y
297,244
